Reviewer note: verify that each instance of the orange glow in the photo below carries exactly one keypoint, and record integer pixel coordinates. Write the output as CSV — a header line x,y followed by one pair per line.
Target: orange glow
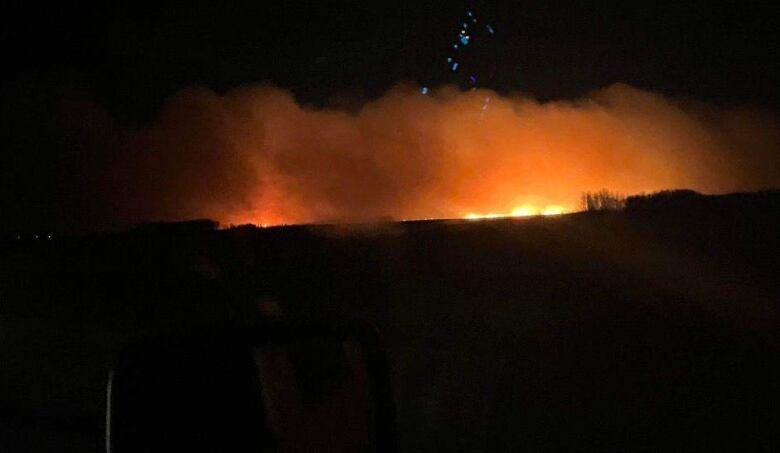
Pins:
x,y
522,211
254,155
553,210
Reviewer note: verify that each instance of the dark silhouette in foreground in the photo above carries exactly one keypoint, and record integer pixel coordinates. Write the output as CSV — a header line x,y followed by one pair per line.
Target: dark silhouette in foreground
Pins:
x,y
653,328
281,386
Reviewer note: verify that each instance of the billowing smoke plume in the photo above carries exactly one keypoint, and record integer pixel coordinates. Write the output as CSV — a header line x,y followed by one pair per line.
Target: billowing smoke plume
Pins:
x,y
255,155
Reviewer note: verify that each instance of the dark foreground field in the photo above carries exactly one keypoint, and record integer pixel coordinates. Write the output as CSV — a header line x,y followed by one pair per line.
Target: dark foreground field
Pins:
x,y
644,330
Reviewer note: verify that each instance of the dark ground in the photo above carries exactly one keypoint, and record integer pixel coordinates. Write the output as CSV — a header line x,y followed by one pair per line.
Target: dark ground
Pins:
x,y
650,329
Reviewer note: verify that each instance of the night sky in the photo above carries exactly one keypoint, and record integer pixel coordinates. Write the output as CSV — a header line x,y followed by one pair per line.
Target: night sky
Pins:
x,y
129,59
133,57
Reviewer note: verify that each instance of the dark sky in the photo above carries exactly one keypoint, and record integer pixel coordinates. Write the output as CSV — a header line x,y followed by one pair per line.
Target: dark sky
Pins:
x,y
132,57
128,58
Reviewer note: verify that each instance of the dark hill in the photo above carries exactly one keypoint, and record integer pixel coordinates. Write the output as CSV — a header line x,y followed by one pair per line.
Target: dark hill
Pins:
x,y
654,328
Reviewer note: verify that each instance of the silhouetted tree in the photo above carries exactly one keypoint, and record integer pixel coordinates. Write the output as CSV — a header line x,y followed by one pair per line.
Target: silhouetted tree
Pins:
x,y
680,199
603,200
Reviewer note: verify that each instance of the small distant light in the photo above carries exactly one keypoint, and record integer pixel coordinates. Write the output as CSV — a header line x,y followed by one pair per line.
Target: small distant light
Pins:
x,y
454,46
465,25
490,29
18,237
424,90
35,236
449,59
49,236
468,13
473,79
474,20
464,40
455,66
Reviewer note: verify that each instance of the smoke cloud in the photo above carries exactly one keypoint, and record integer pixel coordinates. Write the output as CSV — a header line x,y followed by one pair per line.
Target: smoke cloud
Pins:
x,y
254,155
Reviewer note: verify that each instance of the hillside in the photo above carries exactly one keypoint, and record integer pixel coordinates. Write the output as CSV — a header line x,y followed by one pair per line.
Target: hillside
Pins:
x,y
644,329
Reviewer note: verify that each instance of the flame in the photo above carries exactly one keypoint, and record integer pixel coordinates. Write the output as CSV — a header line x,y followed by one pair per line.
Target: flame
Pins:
x,y
255,155
553,210
526,210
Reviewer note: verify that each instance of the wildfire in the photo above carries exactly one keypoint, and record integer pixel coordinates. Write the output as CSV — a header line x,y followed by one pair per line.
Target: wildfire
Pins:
x,y
256,156
525,210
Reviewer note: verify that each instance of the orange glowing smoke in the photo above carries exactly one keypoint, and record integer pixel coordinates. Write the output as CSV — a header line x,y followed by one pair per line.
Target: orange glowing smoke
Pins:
x,y
256,156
